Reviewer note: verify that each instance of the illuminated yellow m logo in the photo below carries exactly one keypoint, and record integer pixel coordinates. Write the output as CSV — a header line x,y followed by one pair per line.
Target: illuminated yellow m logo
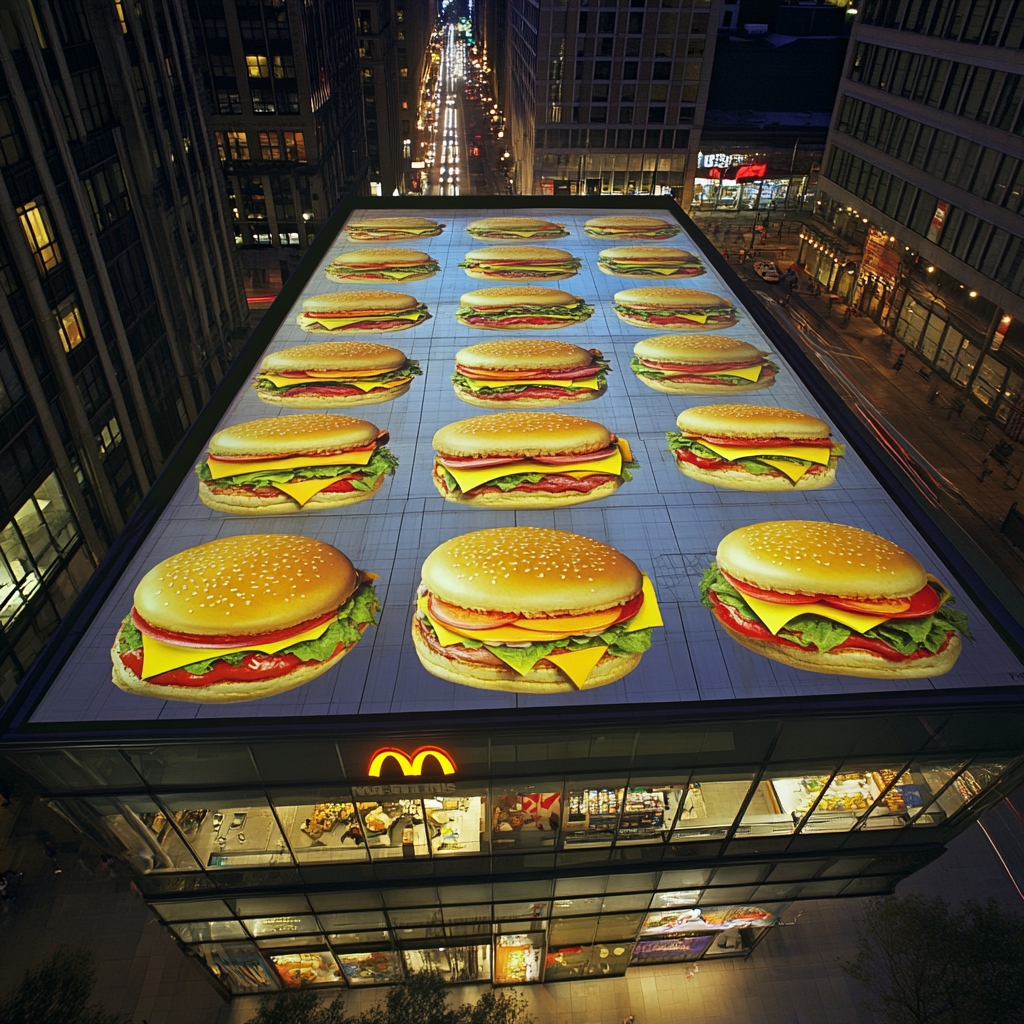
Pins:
x,y
411,765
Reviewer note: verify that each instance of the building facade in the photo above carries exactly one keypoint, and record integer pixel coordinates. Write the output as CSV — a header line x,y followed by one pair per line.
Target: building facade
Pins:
x,y
606,98
280,77
922,204
121,291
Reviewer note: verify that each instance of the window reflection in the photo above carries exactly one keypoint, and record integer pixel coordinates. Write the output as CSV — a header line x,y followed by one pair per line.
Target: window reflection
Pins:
x,y
380,968
960,789
394,828
311,968
711,803
592,813
518,958
142,831
875,794
207,931
455,964
526,815
780,802
321,826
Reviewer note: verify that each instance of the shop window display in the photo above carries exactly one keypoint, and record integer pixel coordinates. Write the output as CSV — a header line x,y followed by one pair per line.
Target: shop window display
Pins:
x,y
567,962
208,931
455,964
311,968
711,804
380,968
525,816
959,788
442,825
241,968
780,802
876,795
518,958
142,830
649,811
592,814
321,827
669,951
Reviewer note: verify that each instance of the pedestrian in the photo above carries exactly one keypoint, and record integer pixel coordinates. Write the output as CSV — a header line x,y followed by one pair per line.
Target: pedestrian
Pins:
x,y
900,359
629,1020
986,469
725,255
50,850
107,865
743,255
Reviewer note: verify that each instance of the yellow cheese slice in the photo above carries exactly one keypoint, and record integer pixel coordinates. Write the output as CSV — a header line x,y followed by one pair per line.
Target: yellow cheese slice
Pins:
x,y
333,323
797,451
303,490
776,616
794,470
351,273
578,665
444,635
751,373
521,233
159,657
467,479
219,470
589,383
387,232
363,385
627,454
649,614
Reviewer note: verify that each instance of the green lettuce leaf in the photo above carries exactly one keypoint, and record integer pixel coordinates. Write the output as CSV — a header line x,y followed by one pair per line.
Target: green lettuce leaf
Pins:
x,y
129,639
461,380
577,311
381,462
410,369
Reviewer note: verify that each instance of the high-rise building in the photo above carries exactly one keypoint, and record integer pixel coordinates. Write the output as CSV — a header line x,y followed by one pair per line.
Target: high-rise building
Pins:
x,y
281,79
922,204
608,96
120,288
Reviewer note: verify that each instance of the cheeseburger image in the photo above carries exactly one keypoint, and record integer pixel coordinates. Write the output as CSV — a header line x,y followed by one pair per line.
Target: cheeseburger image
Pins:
x,y
755,448
649,261
241,618
391,229
532,611
528,373
382,265
521,308
286,463
528,460
515,227
629,228
361,313
673,309
829,598
335,373
519,263
701,364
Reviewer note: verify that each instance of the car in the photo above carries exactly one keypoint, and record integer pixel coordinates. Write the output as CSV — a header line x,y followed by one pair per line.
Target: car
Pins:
x,y
766,270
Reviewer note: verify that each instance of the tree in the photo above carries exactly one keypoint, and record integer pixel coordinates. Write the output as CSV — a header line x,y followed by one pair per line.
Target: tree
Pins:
x,y
299,1006
924,962
58,992
421,999
501,1007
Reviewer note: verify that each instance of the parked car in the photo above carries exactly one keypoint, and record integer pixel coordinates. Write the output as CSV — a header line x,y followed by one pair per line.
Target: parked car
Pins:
x,y
766,270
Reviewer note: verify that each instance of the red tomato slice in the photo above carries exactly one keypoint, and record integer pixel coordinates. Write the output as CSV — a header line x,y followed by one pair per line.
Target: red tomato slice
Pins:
x,y
213,642
630,609
880,607
770,595
924,602
466,618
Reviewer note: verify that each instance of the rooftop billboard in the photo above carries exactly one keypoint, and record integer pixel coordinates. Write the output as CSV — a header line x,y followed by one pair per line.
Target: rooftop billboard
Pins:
x,y
534,458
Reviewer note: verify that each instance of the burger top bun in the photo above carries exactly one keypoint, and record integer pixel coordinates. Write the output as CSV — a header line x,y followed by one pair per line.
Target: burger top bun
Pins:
x,y
794,557
252,584
517,295
335,355
343,302
392,257
514,223
523,354
531,571
281,436
527,253
523,434
631,252
391,222
627,222
668,298
694,349
751,421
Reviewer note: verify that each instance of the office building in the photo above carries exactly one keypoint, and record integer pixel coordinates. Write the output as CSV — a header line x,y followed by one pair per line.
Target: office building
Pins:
x,y
606,98
121,291
922,206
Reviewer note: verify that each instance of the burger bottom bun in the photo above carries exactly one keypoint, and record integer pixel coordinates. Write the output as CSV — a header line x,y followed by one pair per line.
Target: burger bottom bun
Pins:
x,y
582,395
514,327
852,663
660,277
481,275
226,692
668,329
537,680
319,329
527,499
706,389
333,402
741,480
281,503
355,275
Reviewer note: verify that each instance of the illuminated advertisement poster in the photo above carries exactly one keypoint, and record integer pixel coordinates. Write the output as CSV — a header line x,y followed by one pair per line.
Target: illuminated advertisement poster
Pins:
x,y
697,919
240,967
499,459
669,951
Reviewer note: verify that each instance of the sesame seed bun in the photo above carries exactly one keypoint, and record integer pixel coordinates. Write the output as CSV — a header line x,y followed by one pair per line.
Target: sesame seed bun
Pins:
x,y
253,505
653,297
517,295
853,662
519,252
522,435
531,571
795,557
388,256
751,421
252,584
736,478
523,354
664,253
497,227
359,302
695,349
335,355
283,436
391,222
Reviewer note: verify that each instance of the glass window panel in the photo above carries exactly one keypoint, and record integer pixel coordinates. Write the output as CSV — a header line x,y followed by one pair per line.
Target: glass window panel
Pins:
x,y
951,344
581,905
289,942
338,901
781,801
580,961
592,812
522,890
513,911
312,968
614,927
241,967
971,783
846,867
415,916
367,938
37,537
854,792
923,783
267,906
738,874
235,830
345,922
671,922
321,826
636,901
288,924
456,915
569,931
206,909
142,831
455,964
525,815
425,897
381,968
518,958
649,811
676,898
685,879
711,804
732,894
455,822
207,931
932,337
394,828
581,885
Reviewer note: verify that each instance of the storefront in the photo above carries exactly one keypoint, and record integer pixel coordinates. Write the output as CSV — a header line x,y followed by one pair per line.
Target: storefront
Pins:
x,y
381,818
829,261
881,272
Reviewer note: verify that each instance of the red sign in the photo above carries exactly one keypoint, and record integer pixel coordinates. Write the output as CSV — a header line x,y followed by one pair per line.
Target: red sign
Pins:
x,y
751,172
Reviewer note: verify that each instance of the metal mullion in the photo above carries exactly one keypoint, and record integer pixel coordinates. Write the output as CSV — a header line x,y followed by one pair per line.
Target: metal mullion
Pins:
x,y
935,798
859,826
810,810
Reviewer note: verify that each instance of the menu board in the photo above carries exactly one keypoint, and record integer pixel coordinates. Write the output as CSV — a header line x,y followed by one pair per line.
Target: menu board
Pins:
x,y
563,557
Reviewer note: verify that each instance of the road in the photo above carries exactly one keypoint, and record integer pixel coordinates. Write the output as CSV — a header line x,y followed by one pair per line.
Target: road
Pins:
x,y
446,176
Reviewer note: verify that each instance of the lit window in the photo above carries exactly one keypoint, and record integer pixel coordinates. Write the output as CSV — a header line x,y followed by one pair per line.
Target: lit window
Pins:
x,y
69,324
35,222
289,238
269,148
109,437
284,67
221,151
258,65
295,146
238,146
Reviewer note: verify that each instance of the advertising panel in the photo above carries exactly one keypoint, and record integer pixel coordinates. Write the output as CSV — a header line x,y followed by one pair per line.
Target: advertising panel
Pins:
x,y
493,462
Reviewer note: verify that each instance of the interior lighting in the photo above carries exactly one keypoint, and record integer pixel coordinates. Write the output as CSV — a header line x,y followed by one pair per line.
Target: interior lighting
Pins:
x,y
1006,319
973,295
931,270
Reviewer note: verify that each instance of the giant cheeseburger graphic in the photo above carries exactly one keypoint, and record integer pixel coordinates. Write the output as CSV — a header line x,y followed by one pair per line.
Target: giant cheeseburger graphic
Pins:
x,y
701,364
673,309
530,372
629,228
391,229
531,610
519,263
528,460
515,227
835,599
241,618
287,463
361,313
388,265
521,308
755,448
658,261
